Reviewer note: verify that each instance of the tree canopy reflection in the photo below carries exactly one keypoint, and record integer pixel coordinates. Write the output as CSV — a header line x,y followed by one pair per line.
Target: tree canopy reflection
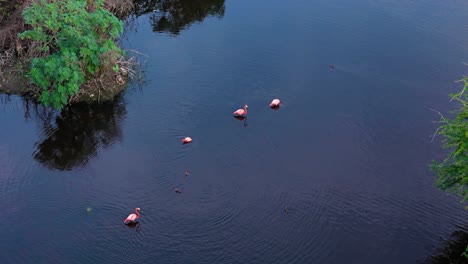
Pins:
x,y
452,249
175,15
75,135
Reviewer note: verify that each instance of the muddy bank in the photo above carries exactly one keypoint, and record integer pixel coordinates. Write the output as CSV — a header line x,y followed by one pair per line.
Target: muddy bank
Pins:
x,y
13,81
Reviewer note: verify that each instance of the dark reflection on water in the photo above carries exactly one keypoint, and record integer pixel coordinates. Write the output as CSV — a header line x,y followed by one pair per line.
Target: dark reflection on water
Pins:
x,y
451,249
243,119
175,15
75,135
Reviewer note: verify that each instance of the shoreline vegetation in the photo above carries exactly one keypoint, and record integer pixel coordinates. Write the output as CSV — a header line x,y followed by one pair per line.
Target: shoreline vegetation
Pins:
x,y
62,52
453,170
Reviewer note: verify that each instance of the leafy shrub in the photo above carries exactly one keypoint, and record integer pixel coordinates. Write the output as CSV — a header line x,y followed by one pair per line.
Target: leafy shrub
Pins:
x,y
79,38
453,171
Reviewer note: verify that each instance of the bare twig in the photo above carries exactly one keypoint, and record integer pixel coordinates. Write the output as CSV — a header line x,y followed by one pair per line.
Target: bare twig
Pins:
x,y
437,130
435,134
461,93
134,51
442,116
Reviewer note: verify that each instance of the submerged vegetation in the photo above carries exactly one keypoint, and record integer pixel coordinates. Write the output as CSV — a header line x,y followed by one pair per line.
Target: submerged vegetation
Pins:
x,y
453,170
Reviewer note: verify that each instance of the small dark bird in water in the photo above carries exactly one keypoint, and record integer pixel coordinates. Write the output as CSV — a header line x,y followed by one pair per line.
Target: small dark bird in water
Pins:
x,y
286,210
332,66
177,190
187,173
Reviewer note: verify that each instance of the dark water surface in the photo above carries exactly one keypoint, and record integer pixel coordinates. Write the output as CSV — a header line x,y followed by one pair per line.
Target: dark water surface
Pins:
x,y
347,153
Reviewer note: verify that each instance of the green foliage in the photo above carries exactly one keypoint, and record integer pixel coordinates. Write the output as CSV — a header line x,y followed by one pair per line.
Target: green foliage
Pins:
x,y
453,170
79,39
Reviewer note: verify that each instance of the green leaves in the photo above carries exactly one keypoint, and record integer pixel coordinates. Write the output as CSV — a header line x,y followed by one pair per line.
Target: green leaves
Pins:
x,y
453,170
83,45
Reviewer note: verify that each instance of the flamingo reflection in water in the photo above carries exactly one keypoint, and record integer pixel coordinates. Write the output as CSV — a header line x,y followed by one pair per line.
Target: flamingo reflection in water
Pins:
x,y
242,118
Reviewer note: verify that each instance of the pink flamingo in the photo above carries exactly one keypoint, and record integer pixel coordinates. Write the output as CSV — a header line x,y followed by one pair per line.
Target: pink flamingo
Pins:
x,y
241,112
187,140
133,218
275,103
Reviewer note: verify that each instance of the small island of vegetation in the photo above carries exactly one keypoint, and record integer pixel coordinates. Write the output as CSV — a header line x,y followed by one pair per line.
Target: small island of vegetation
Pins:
x,y
64,51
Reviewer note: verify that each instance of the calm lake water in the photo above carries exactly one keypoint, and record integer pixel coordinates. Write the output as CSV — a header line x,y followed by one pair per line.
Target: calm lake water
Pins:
x,y
347,153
